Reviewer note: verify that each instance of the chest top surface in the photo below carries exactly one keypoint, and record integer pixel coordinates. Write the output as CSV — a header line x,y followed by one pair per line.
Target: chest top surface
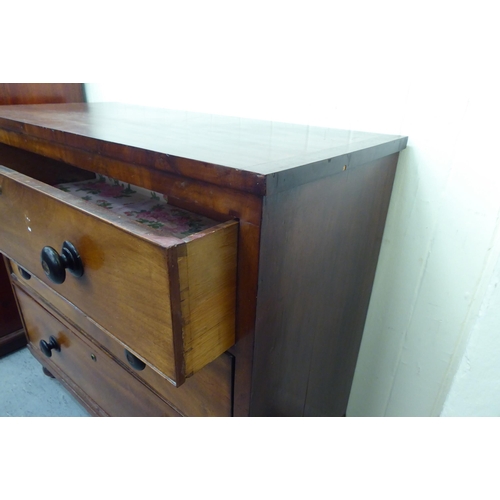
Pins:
x,y
253,155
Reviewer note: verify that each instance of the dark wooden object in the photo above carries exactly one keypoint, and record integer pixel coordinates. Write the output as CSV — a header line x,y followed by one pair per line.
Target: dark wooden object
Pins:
x,y
320,245
311,205
39,93
126,267
11,333
107,389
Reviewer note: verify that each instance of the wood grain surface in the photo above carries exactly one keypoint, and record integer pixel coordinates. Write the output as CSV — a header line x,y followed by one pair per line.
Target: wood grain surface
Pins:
x,y
320,250
126,285
36,93
230,152
90,369
11,335
208,393
310,204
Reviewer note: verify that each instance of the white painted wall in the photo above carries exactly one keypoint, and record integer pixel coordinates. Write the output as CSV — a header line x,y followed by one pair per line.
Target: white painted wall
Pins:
x,y
476,385
424,70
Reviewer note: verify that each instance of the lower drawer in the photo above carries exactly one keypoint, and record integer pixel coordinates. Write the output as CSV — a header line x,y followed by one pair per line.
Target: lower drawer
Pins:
x,y
208,393
105,387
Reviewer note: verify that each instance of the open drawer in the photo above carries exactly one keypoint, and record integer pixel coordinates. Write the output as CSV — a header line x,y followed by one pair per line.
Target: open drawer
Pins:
x,y
169,300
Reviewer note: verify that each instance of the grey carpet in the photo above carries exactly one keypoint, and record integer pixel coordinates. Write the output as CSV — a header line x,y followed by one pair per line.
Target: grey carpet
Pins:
x,y
26,392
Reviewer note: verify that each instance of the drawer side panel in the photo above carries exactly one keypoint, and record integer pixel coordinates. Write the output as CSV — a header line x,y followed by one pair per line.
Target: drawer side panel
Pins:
x,y
208,295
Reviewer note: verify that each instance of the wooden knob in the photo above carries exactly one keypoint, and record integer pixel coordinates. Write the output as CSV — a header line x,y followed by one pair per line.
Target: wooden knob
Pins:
x,y
134,361
25,274
47,347
55,265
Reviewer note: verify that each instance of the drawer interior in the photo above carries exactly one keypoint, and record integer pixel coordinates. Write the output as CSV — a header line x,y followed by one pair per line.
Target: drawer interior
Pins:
x,y
141,205
138,204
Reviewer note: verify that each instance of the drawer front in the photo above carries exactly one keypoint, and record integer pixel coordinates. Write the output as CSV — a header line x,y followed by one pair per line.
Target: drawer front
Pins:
x,y
170,301
208,393
91,370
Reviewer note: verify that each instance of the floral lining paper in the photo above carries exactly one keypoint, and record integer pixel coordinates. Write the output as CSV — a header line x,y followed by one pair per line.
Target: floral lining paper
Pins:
x,y
146,207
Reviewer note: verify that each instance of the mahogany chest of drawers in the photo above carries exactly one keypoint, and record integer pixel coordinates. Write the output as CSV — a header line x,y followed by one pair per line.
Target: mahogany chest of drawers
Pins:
x,y
168,263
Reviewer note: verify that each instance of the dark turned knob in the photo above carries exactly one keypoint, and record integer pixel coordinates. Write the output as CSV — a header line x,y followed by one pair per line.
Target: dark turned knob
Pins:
x,y
134,361
55,265
25,274
46,347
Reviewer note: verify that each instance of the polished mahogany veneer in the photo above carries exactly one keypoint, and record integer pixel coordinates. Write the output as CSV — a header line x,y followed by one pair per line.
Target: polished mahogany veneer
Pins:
x,y
308,205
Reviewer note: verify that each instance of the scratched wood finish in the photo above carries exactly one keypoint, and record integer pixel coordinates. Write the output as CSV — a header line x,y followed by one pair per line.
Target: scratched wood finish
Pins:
x,y
318,261
11,335
208,393
130,273
90,368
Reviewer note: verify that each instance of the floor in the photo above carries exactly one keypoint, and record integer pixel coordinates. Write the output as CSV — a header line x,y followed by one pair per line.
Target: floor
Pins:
x,y
26,392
